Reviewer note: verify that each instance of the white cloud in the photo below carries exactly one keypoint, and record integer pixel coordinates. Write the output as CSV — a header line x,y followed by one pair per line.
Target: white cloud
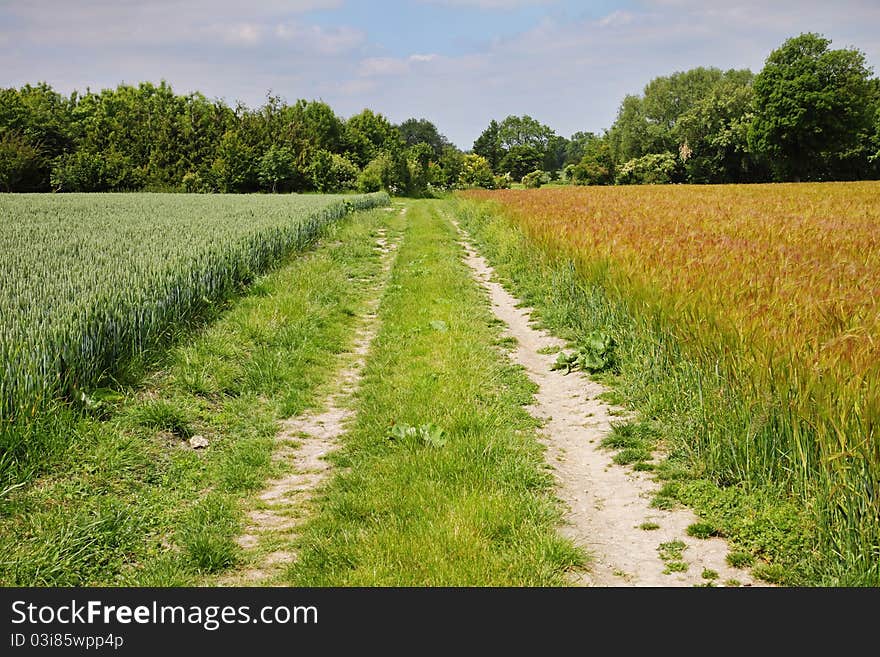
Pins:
x,y
488,4
423,58
325,41
154,22
617,19
243,34
382,66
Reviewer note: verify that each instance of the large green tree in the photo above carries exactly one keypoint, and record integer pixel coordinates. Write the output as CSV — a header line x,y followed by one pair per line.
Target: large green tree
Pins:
x,y
576,145
488,145
421,131
813,106
524,131
632,134
520,160
368,134
276,167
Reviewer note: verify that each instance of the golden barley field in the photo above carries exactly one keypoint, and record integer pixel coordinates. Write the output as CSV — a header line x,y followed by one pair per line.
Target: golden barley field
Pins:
x,y
797,266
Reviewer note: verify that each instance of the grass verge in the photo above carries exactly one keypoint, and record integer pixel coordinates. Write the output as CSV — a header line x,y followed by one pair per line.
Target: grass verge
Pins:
x,y
441,480
128,501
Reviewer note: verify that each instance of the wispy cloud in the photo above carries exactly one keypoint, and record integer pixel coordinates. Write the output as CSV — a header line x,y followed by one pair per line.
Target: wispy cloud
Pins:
x,y
489,4
397,66
157,22
382,66
617,19
325,41
241,34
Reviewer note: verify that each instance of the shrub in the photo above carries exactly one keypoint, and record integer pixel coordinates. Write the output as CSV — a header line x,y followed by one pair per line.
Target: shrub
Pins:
x,y
85,171
589,172
276,167
331,173
503,182
476,172
377,175
534,179
651,169
20,164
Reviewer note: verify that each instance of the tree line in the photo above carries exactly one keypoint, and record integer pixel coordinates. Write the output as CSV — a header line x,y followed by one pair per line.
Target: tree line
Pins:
x,y
812,113
146,137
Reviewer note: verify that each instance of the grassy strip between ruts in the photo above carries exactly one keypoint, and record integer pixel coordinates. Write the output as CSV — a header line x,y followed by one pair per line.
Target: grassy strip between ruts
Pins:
x,y
130,502
441,480
654,376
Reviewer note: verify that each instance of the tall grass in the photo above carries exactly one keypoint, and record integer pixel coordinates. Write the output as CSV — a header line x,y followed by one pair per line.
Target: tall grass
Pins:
x,y
756,312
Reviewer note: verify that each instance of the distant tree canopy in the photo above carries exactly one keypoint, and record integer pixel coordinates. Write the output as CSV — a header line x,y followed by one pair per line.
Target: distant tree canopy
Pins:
x,y
519,145
422,131
148,137
812,113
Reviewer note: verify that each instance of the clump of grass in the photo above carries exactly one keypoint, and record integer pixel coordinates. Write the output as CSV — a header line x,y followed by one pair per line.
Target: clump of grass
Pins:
x,y
673,469
667,497
772,573
740,559
624,436
635,440
675,567
671,554
702,530
207,535
612,397
631,455
163,415
672,550
649,526
663,503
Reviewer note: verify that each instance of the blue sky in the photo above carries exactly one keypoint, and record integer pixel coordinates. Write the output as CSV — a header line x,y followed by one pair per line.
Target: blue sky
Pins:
x,y
458,63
